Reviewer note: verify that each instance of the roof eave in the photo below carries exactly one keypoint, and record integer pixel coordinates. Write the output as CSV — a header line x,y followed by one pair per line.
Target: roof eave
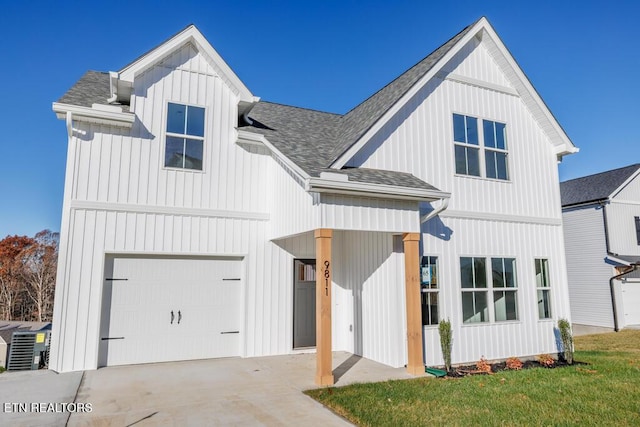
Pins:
x,y
94,115
382,191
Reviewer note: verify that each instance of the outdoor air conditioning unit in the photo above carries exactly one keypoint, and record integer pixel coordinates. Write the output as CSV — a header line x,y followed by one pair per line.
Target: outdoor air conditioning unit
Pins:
x,y
29,351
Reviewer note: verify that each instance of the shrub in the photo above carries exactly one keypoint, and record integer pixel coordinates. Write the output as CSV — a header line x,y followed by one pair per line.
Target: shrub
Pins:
x,y
446,342
567,340
514,364
483,366
546,360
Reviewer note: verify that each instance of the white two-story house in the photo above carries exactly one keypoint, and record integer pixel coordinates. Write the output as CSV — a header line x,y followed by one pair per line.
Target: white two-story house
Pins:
x,y
200,221
601,215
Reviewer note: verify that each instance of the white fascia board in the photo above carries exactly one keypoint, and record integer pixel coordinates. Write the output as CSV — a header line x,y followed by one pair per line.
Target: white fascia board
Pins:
x,y
92,115
353,150
193,35
258,139
320,185
625,183
562,142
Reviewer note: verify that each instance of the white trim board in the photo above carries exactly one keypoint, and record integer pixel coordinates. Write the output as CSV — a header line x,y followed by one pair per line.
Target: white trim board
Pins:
x,y
166,210
488,216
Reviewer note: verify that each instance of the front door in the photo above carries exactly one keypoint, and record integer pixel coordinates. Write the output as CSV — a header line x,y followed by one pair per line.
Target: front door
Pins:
x,y
304,303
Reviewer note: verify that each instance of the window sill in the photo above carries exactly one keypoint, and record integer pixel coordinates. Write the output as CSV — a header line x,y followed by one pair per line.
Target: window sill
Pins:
x,y
166,168
482,178
505,322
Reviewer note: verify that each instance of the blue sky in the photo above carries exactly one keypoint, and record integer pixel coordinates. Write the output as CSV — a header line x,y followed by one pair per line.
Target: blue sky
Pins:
x,y
583,59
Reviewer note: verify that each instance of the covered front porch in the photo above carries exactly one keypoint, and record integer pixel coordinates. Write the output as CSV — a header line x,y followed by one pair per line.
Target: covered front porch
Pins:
x,y
363,297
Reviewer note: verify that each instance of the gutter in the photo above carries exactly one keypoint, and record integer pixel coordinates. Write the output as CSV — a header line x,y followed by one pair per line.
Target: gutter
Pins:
x,y
355,188
444,204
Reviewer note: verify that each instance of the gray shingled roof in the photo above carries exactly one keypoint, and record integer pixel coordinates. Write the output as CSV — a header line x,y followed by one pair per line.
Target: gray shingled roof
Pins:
x,y
596,187
92,88
313,140
360,119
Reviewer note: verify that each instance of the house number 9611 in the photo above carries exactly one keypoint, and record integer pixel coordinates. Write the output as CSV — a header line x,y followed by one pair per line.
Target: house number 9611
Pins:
x,y
327,274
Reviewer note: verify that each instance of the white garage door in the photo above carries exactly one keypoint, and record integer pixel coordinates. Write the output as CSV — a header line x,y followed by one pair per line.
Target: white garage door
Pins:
x,y
165,309
631,298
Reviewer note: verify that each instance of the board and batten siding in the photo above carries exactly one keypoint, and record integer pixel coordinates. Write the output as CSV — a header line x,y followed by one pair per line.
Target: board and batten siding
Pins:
x,y
369,313
112,165
452,238
419,140
587,272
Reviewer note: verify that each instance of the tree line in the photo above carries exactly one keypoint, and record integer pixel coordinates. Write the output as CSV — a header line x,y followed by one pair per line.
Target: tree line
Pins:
x,y
28,276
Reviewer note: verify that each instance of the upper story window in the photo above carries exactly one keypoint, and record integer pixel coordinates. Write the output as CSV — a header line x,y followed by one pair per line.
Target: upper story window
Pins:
x,y
495,154
471,146
184,137
465,135
638,229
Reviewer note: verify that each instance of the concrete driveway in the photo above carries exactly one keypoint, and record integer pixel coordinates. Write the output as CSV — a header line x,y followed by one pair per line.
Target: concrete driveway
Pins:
x,y
255,391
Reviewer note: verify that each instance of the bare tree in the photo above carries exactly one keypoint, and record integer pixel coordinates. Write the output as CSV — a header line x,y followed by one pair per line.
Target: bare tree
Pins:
x,y
11,272
39,274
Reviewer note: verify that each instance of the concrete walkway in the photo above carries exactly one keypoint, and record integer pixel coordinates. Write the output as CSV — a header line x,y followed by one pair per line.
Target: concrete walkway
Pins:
x,y
256,391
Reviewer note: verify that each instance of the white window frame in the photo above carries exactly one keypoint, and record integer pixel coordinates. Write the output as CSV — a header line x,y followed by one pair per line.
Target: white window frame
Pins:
x,y
492,150
482,148
430,292
504,289
474,290
543,286
489,290
186,136
467,146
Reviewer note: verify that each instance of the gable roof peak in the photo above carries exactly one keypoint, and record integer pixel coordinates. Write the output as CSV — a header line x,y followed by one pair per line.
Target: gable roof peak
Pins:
x,y
189,34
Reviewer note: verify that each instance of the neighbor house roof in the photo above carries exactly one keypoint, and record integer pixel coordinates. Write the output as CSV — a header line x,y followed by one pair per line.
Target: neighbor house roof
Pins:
x,y
596,187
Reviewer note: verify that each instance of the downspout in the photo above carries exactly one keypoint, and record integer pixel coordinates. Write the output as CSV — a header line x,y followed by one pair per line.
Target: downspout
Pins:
x,y
444,204
612,290
632,267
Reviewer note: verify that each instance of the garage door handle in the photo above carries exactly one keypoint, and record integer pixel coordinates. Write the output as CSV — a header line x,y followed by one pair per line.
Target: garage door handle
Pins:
x,y
172,317
179,316
230,332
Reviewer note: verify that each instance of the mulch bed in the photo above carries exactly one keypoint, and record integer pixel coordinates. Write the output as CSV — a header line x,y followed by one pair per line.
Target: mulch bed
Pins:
x,y
466,370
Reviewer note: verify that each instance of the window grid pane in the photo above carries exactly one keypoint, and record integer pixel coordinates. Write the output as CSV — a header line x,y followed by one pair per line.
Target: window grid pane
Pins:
x,y
182,149
474,307
543,291
429,286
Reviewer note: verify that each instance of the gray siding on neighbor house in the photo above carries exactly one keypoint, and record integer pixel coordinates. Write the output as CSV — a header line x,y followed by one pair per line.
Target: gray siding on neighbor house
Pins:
x,y
587,272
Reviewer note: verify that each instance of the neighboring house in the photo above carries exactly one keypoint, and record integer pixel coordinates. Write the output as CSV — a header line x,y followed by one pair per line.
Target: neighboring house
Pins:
x,y
201,222
601,216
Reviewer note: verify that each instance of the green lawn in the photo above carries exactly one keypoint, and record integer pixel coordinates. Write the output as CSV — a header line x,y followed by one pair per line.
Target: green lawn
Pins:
x,y
604,391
